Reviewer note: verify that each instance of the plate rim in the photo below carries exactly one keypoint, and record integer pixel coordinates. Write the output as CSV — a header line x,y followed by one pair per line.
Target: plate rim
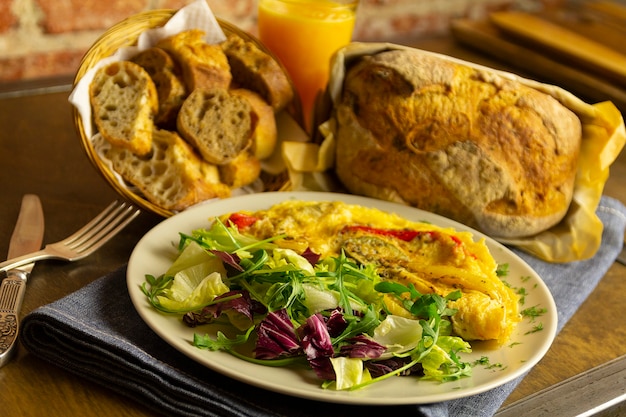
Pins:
x,y
315,392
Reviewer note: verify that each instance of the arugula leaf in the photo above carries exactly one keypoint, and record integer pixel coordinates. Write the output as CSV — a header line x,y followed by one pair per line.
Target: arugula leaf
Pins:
x,y
154,287
363,325
221,341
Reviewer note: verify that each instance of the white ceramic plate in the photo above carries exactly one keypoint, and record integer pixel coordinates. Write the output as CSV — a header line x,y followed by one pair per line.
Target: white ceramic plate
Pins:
x,y
156,250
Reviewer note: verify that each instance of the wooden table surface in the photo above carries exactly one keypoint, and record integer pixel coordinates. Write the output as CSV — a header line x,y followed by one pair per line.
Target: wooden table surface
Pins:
x,y
40,153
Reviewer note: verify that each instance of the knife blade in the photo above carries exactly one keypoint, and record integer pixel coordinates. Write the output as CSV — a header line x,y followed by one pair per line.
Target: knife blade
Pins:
x,y
586,394
27,237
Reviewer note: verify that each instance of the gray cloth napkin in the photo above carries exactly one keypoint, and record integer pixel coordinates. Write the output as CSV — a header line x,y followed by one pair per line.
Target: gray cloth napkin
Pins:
x,y
96,333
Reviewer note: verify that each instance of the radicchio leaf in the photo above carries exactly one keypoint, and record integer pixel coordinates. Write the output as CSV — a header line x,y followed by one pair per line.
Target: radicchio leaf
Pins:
x,y
243,306
362,346
317,346
239,310
193,319
231,259
336,323
379,368
276,336
311,256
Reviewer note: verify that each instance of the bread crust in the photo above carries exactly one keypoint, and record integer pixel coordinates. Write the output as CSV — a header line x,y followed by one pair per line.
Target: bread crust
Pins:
x,y
265,133
241,171
461,142
255,70
203,65
167,78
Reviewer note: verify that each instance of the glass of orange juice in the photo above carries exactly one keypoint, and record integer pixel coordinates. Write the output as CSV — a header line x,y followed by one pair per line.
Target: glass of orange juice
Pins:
x,y
304,34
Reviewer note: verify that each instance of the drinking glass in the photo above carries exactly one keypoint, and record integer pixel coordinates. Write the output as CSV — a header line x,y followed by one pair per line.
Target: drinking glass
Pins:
x,y
304,34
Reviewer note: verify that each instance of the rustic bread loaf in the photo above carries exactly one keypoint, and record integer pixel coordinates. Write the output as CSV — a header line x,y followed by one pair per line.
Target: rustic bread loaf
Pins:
x,y
170,176
203,65
217,123
255,70
462,142
265,134
165,74
124,102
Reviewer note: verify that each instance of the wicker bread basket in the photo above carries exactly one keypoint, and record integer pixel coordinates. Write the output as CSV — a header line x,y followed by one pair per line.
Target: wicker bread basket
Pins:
x,y
126,33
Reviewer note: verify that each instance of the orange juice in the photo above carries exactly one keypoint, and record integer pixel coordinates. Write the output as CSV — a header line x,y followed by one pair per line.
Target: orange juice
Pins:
x,y
304,34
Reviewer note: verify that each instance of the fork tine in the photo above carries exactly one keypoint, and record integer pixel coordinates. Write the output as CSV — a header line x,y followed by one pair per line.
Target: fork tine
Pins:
x,y
104,239
85,241
103,231
93,223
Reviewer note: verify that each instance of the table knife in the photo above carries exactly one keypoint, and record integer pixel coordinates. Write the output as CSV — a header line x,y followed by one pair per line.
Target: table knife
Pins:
x,y
586,394
27,237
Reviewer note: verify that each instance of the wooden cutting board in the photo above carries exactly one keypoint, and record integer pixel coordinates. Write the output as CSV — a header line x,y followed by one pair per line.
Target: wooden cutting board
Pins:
x,y
565,49
573,47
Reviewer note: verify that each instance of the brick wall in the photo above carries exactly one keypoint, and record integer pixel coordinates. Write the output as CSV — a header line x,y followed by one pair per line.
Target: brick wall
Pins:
x,y
47,38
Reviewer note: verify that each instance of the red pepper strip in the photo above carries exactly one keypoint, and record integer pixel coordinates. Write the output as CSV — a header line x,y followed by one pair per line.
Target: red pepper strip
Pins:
x,y
456,240
242,220
406,235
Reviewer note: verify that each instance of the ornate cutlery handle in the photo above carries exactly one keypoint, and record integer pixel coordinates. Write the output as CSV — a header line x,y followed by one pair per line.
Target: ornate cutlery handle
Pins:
x,y
12,292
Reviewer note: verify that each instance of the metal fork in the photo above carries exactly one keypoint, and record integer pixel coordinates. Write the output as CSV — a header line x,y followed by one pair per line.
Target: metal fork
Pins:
x,y
85,241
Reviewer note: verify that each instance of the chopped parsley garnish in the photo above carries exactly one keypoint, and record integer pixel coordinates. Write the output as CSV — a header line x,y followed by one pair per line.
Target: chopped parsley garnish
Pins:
x,y
533,312
535,329
502,270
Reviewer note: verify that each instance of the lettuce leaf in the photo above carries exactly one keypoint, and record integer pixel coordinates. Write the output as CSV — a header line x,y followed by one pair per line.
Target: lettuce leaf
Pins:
x,y
398,334
193,289
442,364
349,372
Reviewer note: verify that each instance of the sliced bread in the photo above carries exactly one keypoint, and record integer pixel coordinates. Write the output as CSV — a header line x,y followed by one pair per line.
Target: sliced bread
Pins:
x,y
203,65
256,70
171,176
265,133
167,78
124,101
217,123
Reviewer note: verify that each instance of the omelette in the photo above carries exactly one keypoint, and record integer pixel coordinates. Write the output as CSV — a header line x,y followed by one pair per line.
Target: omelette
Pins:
x,y
434,259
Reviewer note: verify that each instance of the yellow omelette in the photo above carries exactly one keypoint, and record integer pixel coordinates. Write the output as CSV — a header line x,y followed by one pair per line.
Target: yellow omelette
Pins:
x,y
432,258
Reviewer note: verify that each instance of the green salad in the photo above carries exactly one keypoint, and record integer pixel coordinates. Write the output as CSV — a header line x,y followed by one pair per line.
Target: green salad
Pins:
x,y
293,309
